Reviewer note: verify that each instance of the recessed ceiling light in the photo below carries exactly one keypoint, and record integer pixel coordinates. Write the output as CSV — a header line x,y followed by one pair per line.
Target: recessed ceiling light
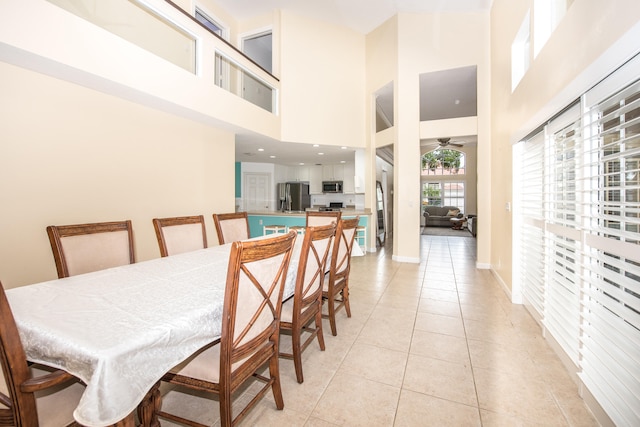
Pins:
x,y
301,164
342,161
272,157
457,101
320,154
260,149
344,148
316,145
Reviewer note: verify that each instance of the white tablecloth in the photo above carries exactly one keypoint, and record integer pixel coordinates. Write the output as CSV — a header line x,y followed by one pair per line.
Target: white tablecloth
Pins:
x,y
121,329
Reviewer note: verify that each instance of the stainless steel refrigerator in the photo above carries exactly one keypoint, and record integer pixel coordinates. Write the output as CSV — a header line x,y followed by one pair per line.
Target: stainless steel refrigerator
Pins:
x,y
293,196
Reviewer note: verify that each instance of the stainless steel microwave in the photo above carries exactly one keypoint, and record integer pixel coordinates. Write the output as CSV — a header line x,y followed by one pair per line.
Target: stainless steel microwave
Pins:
x,y
332,186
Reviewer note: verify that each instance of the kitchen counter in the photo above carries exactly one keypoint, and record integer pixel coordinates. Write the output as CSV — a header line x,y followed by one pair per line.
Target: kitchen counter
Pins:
x,y
259,219
345,212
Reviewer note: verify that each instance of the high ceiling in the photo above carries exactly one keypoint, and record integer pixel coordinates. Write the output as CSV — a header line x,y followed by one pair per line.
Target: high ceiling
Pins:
x,y
361,16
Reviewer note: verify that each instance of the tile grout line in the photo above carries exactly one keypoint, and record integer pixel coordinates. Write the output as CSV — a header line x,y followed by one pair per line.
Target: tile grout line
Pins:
x,y
466,338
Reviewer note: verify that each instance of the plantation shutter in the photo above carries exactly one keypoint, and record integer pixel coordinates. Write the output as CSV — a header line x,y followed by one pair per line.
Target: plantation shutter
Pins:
x,y
577,237
611,325
563,234
528,210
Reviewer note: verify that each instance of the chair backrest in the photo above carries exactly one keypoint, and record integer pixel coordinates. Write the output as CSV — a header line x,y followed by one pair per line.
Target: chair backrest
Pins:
x,y
82,248
342,246
253,300
315,219
231,227
15,406
312,266
180,234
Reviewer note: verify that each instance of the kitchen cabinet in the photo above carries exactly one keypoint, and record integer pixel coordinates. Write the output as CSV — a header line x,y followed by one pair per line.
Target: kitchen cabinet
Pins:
x,y
315,179
333,172
359,171
298,173
348,183
281,173
303,173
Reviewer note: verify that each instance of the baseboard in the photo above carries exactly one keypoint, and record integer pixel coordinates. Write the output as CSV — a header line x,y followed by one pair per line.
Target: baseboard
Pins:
x,y
595,408
405,259
589,400
483,266
502,283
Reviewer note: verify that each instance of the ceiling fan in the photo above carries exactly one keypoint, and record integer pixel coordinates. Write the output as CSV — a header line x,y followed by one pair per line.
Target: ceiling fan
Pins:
x,y
447,141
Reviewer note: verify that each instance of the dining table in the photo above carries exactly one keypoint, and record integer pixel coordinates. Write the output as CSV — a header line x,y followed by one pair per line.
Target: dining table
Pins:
x,y
121,329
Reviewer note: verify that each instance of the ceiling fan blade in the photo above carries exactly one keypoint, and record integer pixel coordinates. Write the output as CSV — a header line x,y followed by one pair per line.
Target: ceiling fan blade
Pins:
x,y
455,145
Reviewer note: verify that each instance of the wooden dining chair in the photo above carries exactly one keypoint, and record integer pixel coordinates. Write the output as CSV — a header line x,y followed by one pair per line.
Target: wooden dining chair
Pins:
x,y
31,397
82,248
305,307
335,291
315,219
250,329
231,227
180,234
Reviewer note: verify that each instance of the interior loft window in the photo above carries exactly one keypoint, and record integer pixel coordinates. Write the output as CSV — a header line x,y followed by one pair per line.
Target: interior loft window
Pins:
x,y
443,162
206,20
139,24
521,52
259,47
546,16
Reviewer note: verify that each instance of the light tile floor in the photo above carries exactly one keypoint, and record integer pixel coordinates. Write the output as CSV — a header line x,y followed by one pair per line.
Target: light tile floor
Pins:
x,y
430,344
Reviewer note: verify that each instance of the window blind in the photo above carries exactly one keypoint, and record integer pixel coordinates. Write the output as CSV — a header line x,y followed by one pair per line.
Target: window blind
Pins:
x,y
528,205
562,238
577,249
610,339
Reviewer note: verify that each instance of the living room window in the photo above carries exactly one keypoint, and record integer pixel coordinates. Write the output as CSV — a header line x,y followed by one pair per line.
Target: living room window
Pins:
x,y
443,193
443,161
454,194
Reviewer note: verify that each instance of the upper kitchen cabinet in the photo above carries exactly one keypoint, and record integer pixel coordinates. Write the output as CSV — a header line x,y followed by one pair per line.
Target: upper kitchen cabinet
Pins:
x,y
333,172
349,182
303,173
281,173
315,179
297,173
359,171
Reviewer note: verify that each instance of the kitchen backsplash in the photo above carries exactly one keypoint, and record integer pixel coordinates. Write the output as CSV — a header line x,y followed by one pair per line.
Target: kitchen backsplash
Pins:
x,y
356,200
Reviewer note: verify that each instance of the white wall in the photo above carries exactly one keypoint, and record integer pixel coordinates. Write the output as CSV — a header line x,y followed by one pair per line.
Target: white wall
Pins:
x,y
589,42
41,36
426,43
322,83
73,155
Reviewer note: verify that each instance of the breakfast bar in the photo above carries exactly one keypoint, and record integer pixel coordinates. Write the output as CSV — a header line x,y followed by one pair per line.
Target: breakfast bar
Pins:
x,y
258,220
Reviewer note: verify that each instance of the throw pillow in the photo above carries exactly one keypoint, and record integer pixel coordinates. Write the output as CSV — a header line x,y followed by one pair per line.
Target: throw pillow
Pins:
x,y
453,212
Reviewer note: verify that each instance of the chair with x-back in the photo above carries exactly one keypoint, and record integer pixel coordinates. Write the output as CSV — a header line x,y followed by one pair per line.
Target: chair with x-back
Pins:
x,y
305,307
336,285
232,227
83,248
315,218
180,234
31,397
250,329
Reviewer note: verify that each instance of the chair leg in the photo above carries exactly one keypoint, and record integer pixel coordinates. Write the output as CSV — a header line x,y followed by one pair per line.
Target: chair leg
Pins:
x,y
319,333
332,314
274,372
297,350
345,298
226,418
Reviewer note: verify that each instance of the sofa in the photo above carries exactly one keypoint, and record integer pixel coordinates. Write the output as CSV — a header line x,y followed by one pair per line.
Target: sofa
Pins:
x,y
439,216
